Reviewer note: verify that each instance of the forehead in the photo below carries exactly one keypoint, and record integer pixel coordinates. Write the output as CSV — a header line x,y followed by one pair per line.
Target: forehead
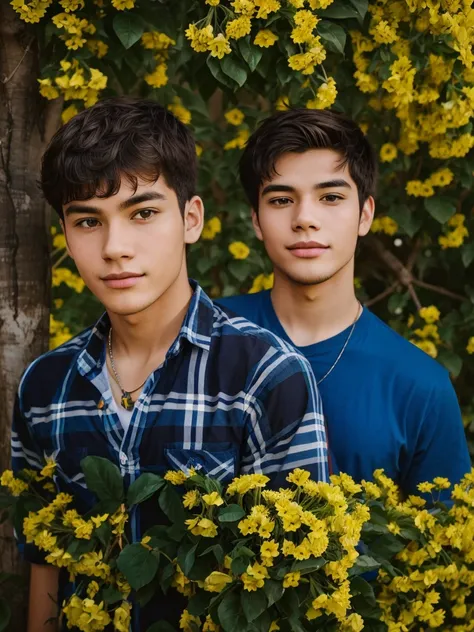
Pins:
x,y
309,168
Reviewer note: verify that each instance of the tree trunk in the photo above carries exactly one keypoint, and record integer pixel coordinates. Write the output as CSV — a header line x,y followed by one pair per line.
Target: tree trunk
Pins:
x,y
26,123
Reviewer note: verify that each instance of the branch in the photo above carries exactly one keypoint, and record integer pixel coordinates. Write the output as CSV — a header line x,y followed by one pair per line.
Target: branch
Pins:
x,y
440,290
390,290
25,52
414,297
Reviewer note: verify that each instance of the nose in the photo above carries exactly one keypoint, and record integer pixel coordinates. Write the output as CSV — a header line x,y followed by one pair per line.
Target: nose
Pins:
x,y
305,216
117,242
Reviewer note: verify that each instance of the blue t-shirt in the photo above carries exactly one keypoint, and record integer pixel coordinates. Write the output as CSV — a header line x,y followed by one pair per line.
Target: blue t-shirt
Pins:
x,y
387,403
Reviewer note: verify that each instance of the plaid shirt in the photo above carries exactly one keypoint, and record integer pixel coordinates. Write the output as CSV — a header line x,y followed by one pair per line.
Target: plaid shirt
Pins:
x,y
229,398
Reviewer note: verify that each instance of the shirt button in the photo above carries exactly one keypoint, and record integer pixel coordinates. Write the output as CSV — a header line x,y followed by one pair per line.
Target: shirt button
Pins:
x,y
123,458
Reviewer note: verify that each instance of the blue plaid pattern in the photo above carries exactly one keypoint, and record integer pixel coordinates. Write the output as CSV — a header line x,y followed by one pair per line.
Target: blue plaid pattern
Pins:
x,y
230,398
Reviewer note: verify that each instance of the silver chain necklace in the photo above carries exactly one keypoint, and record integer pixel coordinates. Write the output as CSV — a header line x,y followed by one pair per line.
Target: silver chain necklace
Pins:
x,y
359,311
126,400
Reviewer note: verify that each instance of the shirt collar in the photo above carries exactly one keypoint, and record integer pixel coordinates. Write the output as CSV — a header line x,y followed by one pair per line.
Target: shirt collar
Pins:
x,y
196,328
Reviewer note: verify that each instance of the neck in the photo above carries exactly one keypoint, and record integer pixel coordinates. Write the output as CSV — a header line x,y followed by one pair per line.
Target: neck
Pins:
x,y
151,332
312,313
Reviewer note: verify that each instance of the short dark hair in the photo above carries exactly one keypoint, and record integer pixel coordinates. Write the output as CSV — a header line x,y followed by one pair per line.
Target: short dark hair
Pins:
x,y
121,136
298,130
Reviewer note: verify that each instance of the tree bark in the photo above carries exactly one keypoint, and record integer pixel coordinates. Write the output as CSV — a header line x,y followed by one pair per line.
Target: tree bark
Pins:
x,y
26,124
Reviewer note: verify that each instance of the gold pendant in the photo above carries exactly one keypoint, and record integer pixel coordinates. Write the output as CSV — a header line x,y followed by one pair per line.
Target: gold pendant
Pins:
x,y
126,401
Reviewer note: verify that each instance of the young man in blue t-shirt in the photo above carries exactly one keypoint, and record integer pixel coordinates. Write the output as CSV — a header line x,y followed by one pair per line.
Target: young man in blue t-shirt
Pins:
x,y
310,178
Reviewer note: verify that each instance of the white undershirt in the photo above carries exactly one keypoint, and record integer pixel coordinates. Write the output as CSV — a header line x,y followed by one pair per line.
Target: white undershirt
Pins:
x,y
124,415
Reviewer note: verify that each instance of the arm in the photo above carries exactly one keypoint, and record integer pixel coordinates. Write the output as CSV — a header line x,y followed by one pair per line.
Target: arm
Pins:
x,y
440,446
284,420
43,599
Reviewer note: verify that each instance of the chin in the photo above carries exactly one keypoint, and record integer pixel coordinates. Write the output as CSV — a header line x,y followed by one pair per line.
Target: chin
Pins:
x,y
129,307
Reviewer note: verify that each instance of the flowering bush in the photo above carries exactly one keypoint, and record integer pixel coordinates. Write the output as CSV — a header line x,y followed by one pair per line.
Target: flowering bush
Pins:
x,y
248,558
402,68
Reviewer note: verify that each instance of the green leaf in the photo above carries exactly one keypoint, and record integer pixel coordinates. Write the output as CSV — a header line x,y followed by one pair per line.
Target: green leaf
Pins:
x,y
440,208
386,546
234,69
252,54
408,221
143,488
216,70
364,564
187,557
362,587
171,504
467,254
309,565
230,613
273,590
340,12
253,603
218,552
161,626
103,478
361,6
128,27
333,35
80,547
231,513
166,577
451,361
199,603
5,614
146,594
111,595
138,565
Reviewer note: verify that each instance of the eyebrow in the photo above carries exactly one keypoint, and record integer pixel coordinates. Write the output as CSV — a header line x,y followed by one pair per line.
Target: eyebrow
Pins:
x,y
147,196
328,184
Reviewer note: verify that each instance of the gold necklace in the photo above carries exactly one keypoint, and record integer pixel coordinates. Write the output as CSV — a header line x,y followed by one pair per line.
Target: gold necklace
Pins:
x,y
359,311
126,400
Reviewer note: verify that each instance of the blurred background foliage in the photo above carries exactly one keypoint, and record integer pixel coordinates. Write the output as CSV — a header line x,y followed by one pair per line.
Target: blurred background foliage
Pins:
x,y
403,69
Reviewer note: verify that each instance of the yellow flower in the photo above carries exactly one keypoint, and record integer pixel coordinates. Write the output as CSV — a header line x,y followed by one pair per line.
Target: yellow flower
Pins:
x,y
298,476
213,498
388,152
49,469
158,78
234,117
211,228
68,113
47,89
246,482
202,526
191,499
265,38
175,478
15,485
441,178
121,5
268,551
240,27
394,528
239,141
97,81
385,225
291,580
213,3
441,482
219,46
470,345
189,623
210,626
122,617
181,113
239,250
262,282
216,581
430,314
384,33
98,48
325,96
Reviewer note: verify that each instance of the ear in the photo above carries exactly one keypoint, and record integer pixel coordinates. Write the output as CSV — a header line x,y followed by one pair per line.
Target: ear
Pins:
x,y
256,226
366,216
193,220
63,228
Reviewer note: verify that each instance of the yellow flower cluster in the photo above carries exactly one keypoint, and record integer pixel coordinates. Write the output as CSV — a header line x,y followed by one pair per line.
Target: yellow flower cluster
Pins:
x,y
325,96
239,250
160,43
385,225
419,188
428,335
178,109
75,29
59,333
388,152
234,116
64,275
211,228
262,282
470,345
456,233
426,112
239,141
32,11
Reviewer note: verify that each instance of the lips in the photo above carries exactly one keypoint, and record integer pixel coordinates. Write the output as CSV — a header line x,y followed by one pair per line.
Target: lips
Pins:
x,y
122,280
308,249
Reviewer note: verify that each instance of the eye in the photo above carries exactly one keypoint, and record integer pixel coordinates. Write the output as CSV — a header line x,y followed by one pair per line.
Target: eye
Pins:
x,y
332,197
88,222
281,201
144,213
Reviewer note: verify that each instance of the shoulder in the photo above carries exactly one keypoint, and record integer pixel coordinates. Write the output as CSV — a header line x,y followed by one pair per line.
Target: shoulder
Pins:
x,y
44,376
403,358
243,304
252,344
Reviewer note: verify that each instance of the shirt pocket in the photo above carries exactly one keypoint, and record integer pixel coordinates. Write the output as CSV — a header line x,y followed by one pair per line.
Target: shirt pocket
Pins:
x,y
221,463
